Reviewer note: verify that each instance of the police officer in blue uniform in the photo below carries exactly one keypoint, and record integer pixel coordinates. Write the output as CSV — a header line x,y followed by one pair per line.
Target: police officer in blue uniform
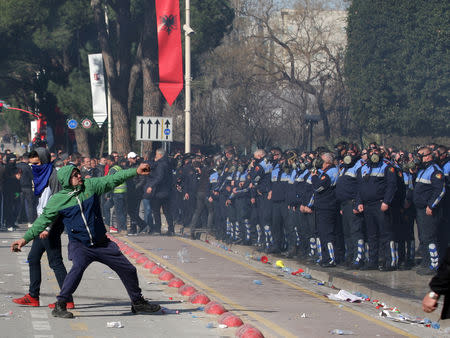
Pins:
x,y
292,225
240,198
277,196
213,197
377,184
324,177
309,229
429,191
406,241
352,220
260,177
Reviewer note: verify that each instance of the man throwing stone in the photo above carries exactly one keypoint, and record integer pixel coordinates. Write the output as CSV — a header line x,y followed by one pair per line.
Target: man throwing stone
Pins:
x,y
78,205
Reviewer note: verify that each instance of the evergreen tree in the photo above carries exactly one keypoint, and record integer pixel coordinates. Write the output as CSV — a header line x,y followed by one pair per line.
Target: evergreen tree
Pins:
x,y
398,66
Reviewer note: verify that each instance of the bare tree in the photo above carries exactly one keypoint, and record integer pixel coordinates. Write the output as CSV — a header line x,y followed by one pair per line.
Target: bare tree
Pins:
x,y
299,48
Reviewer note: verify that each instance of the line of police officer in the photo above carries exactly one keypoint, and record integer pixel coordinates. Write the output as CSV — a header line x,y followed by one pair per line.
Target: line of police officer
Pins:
x,y
350,207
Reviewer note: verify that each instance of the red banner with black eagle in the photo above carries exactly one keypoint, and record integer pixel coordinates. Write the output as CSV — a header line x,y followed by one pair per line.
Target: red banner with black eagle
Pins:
x,y
169,48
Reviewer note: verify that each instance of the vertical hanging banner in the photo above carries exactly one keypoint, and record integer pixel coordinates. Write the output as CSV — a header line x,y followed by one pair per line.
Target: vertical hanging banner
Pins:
x,y
169,48
98,88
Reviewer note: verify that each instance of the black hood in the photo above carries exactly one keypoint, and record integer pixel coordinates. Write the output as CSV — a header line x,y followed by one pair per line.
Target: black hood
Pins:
x,y
44,155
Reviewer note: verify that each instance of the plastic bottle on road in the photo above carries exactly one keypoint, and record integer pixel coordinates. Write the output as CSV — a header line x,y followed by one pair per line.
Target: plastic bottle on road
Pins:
x,y
114,324
183,255
341,332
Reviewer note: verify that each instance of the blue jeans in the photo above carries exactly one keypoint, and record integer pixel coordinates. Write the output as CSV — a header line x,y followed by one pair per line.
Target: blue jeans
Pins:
x,y
118,201
148,218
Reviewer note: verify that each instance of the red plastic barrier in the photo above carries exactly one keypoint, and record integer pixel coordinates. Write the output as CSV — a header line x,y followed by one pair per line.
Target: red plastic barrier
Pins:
x,y
214,308
176,283
156,270
166,275
248,331
149,264
199,298
230,320
187,290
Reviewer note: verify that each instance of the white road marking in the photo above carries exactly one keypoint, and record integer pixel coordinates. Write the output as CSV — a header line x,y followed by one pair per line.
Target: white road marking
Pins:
x,y
40,314
39,325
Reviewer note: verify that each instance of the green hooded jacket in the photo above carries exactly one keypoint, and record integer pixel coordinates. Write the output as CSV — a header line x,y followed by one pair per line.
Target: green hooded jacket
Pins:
x,y
79,207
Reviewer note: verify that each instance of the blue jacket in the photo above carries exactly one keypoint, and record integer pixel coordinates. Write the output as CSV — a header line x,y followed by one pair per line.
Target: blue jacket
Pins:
x,y
324,185
376,184
429,188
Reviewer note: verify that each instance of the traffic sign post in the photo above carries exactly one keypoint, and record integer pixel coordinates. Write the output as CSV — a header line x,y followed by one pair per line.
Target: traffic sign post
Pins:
x,y
154,128
86,123
72,124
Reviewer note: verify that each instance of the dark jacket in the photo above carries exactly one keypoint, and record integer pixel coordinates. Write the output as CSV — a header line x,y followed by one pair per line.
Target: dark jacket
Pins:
x,y
159,179
26,181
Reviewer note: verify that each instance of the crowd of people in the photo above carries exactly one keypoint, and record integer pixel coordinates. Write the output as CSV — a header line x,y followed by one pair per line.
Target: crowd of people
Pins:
x,y
343,207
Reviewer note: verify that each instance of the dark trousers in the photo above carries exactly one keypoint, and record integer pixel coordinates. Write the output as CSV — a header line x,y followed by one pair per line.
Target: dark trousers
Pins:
x,y
242,225
405,236
230,214
2,216
120,210
326,220
202,205
11,209
133,205
352,225
118,201
176,202
52,246
279,218
109,254
27,205
188,208
264,210
292,223
219,219
156,204
428,227
379,233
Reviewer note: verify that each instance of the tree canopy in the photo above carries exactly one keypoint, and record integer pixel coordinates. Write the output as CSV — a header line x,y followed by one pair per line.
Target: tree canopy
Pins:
x,y
45,45
398,66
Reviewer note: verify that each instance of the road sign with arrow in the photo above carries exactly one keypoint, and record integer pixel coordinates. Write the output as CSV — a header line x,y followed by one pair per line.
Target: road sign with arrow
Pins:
x,y
154,128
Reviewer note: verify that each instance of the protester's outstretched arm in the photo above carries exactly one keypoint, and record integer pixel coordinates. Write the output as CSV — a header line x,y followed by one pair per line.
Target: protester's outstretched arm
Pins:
x,y
104,184
49,215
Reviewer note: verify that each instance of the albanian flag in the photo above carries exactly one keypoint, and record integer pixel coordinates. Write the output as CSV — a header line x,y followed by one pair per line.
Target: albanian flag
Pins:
x,y
169,48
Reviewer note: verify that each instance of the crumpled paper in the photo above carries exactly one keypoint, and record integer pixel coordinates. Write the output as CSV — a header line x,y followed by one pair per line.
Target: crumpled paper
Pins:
x,y
343,295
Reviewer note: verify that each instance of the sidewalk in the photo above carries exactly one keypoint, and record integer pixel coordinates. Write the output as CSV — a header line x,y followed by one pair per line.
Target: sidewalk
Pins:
x,y
401,289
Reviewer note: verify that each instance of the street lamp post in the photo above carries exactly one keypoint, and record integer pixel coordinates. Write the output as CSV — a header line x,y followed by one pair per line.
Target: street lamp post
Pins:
x,y
187,59
312,119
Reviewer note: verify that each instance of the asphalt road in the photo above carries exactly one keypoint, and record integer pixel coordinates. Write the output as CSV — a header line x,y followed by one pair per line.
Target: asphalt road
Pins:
x,y
277,303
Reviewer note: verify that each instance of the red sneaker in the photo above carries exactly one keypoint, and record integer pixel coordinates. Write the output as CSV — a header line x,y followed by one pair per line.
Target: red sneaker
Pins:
x,y
27,300
113,230
69,305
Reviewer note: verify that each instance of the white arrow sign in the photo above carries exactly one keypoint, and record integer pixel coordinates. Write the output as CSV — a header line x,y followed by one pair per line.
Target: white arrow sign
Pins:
x,y
154,128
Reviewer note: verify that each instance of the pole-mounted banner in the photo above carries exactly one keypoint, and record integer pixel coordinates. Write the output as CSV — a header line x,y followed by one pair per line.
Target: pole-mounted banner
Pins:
x,y
98,88
169,48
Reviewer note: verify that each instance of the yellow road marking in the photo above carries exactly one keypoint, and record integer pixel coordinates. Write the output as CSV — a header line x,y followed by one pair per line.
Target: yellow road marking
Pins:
x,y
266,322
78,326
216,294
295,286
